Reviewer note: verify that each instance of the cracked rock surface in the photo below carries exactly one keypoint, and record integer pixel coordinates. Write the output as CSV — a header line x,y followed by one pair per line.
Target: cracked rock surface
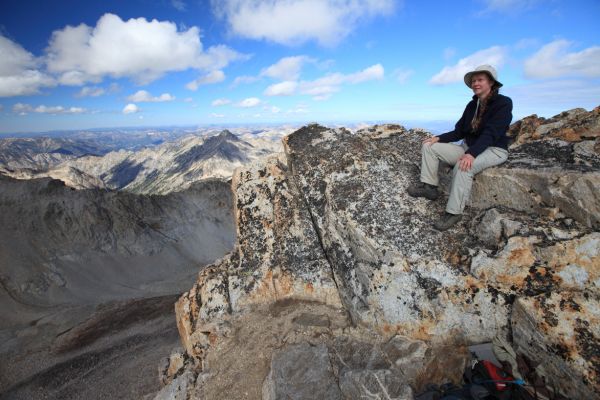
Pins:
x,y
328,230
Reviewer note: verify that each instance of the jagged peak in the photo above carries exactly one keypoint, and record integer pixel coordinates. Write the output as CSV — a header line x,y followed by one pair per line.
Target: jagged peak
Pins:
x,y
227,135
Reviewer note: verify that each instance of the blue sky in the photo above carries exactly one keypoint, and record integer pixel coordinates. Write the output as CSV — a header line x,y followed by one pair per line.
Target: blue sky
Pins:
x,y
75,65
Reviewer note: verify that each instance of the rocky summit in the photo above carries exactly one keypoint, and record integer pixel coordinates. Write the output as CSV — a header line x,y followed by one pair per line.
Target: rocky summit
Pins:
x,y
340,288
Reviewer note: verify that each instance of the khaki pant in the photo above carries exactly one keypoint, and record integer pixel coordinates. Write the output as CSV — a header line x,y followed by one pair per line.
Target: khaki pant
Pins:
x,y
431,155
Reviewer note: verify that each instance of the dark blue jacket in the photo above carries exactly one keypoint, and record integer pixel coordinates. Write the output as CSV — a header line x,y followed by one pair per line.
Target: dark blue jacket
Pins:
x,y
492,130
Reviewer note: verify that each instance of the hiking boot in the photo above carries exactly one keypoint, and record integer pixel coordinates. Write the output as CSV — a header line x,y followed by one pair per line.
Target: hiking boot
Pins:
x,y
423,190
447,221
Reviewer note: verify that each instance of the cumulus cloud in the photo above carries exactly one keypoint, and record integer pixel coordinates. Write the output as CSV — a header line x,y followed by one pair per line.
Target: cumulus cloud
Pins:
x,y
19,72
22,109
137,48
142,96
286,88
324,87
220,102
495,56
130,109
553,60
292,22
287,69
215,115
249,102
208,79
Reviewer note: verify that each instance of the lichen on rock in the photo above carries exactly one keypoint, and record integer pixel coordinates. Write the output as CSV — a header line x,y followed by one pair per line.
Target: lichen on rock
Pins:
x,y
327,232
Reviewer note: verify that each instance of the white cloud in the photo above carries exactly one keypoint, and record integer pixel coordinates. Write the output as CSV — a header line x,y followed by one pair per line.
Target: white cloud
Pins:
x,y
139,49
374,72
553,60
19,74
249,102
179,5
286,88
22,109
287,69
402,75
59,110
188,100
90,91
142,96
495,56
296,21
324,87
96,91
208,79
275,110
215,115
130,109
220,102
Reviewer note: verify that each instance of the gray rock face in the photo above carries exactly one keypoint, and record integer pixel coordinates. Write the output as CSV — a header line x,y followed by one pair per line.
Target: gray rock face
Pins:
x,y
61,246
174,166
369,249
349,370
549,330
42,153
301,372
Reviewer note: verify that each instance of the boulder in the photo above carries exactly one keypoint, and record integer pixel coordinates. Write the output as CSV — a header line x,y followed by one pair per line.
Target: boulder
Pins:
x,y
561,334
327,229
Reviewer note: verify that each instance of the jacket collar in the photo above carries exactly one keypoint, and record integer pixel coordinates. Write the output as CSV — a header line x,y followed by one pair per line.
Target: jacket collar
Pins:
x,y
492,98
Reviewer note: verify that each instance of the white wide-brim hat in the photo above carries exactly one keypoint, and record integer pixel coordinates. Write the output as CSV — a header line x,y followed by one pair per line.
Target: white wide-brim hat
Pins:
x,y
485,68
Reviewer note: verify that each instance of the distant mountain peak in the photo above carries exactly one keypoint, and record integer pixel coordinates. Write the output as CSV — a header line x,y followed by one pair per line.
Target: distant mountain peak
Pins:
x,y
227,135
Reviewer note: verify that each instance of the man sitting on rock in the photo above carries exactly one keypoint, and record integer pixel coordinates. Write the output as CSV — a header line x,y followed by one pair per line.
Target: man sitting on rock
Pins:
x,y
482,128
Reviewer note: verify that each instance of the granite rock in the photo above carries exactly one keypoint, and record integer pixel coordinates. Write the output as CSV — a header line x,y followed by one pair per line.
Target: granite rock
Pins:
x,y
329,223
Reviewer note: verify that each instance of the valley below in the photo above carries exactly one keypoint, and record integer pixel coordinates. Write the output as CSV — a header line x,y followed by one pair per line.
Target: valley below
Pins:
x,y
89,272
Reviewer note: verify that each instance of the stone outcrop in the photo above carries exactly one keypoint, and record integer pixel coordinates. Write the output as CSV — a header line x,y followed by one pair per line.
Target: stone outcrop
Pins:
x,y
329,225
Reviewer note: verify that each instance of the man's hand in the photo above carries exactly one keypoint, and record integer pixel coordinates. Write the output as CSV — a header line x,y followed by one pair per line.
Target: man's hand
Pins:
x,y
431,140
465,162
